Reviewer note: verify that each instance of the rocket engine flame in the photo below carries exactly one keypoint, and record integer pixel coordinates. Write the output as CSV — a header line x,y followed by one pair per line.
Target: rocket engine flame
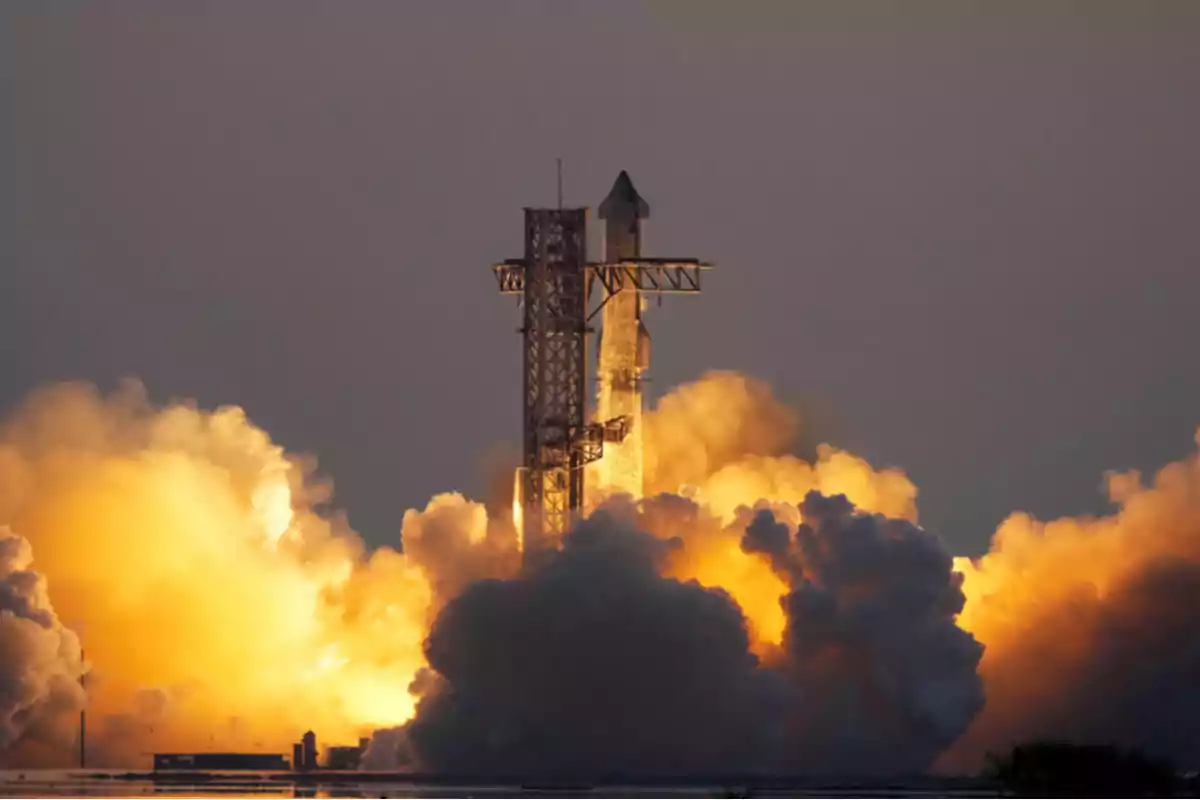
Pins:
x,y
518,506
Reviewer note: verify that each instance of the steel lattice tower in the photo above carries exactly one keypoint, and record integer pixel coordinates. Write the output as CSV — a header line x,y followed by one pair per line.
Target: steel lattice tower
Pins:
x,y
555,368
555,282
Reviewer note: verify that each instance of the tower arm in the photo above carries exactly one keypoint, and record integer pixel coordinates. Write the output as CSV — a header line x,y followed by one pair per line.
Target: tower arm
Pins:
x,y
646,275
656,276
651,275
510,275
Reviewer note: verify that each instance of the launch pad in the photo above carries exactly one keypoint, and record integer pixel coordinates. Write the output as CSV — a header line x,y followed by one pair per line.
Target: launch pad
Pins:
x,y
562,293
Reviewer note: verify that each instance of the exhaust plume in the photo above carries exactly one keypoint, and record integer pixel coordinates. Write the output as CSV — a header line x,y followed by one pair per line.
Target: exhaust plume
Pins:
x,y
724,441
890,678
598,663
594,664
193,552
1091,624
754,611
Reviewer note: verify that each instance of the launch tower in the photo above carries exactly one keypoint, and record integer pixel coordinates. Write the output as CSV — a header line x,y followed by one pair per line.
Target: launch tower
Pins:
x,y
557,286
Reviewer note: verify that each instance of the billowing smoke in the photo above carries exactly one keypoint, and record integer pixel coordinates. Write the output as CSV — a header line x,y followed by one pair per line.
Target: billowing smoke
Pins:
x,y
1086,622
191,553
1092,625
754,612
701,427
593,664
597,664
40,662
221,602
455,544
889,678
725,441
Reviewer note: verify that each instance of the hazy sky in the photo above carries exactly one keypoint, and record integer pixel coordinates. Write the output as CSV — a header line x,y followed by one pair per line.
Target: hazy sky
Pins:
x,y
962,234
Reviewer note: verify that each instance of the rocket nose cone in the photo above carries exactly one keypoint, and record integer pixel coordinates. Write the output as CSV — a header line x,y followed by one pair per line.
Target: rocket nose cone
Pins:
x,y
623,187
623,200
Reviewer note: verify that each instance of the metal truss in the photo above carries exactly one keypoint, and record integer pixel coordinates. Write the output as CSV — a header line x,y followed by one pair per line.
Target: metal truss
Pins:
x,y
555,282
651,276
647,275
555,366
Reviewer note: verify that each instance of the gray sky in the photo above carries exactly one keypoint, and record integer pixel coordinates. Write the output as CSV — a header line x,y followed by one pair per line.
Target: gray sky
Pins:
x,y
962,234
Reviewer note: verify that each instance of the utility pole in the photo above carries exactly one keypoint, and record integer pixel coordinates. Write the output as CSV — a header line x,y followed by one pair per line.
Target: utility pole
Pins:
x,y
82,714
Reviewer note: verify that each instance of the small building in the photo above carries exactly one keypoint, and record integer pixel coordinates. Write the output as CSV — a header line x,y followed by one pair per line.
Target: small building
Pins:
x,y
346,758
219,762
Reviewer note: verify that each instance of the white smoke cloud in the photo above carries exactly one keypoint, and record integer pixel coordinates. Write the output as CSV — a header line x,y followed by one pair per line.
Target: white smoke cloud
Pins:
x,y
41,663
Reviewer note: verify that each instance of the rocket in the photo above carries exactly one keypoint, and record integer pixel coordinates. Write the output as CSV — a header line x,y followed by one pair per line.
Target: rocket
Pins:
x,y
623,211
624,346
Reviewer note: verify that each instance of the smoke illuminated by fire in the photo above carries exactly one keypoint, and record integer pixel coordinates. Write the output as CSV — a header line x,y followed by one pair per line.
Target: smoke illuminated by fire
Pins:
x,y
223,606
188,550
723,442
1091,623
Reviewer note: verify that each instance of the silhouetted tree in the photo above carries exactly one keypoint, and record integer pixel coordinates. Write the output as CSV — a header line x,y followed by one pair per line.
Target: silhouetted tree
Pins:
x,y
1061,769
